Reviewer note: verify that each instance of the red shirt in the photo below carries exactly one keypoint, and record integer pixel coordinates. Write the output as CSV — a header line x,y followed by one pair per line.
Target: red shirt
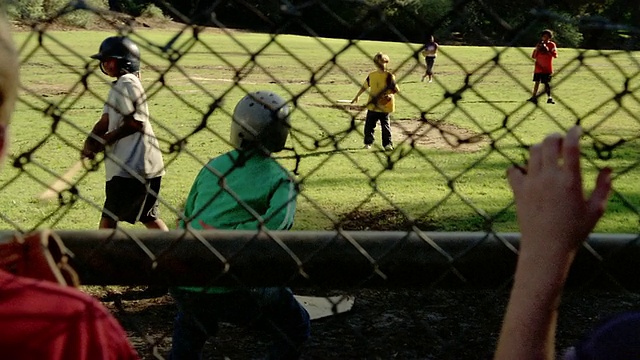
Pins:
x,y
544,59
45,321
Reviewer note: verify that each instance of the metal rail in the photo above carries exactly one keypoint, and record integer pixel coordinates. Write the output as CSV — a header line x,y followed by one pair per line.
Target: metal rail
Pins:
x,y
330,259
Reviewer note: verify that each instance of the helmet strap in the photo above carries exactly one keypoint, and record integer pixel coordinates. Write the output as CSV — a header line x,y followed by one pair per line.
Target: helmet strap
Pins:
x,y
102,68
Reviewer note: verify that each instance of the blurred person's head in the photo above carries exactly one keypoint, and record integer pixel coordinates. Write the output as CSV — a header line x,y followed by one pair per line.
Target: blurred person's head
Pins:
x,y
381,60
546,35
8,81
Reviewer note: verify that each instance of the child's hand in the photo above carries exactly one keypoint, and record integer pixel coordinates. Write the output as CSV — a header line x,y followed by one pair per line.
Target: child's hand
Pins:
x,y
542,47
553,214
91,148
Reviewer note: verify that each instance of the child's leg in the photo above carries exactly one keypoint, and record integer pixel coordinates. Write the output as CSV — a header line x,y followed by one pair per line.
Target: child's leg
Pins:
x,y
369,127
156,224
547,89
536,85
426,71
191,328
386,130
430,62
288,320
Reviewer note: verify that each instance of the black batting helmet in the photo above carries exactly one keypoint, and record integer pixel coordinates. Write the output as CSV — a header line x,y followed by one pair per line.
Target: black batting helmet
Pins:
x,y
122,49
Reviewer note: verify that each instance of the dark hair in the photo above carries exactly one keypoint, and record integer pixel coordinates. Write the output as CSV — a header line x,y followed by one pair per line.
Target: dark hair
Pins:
x,y
548,32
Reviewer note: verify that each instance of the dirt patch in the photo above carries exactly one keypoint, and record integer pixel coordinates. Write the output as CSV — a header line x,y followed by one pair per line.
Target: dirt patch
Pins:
x,y
114,20
438,135
423,323
384,220
427,133
48,90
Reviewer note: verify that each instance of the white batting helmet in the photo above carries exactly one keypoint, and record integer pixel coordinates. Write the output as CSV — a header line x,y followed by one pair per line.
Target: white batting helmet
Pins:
x,y
261,118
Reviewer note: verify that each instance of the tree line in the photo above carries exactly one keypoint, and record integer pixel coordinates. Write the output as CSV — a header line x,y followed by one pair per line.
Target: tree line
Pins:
x,y
599,24
595,24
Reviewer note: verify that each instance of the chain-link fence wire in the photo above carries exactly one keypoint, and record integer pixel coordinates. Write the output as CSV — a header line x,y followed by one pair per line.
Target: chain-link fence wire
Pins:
x,y
453,140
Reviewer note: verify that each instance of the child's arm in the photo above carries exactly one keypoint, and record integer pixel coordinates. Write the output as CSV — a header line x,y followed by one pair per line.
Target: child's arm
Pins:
x,y
129,126
554,218
396,88
363,88
281,211
91,144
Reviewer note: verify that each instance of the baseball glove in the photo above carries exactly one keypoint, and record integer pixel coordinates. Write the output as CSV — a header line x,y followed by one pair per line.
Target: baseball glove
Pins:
x,y
39,256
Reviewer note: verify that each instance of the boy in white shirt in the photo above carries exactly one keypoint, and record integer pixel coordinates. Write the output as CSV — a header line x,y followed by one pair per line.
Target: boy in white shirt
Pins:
x,y
133,160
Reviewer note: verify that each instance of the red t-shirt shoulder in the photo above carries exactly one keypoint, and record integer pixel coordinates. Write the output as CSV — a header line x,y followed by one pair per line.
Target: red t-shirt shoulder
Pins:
x,y
544,60
43,320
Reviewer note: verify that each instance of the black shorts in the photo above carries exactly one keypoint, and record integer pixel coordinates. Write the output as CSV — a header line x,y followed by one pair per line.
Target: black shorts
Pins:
x,y
543,78
130,200
429,61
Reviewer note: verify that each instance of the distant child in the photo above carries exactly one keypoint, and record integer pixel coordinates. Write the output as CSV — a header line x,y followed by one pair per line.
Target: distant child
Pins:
x,y
430,52
382,86
244,189
133,160
544,53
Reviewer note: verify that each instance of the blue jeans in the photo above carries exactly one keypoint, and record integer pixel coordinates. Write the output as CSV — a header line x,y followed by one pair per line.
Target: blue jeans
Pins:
x,y
272,309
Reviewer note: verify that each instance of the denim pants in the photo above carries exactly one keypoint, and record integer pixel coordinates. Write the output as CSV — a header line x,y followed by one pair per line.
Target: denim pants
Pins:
x,y
370,125
271,309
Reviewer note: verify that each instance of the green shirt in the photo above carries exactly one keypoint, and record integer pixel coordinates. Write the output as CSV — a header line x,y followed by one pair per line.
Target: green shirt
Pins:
x,y
241,190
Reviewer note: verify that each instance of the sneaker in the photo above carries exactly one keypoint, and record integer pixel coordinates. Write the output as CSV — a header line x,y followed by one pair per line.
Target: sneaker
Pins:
x,y
367,146
388,147
430,80
533,99
550,101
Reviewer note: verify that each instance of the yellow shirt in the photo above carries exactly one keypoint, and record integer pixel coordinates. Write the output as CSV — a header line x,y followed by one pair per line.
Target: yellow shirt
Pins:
x,y
382,86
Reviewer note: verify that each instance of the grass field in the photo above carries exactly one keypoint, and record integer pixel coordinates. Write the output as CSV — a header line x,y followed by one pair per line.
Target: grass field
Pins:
x,y
444,188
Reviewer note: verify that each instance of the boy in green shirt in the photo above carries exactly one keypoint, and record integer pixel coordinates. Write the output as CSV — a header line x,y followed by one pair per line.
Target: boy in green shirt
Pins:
x,y
244,189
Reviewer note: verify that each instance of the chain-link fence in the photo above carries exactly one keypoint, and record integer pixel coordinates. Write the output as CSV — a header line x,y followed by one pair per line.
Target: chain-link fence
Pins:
x,y
417,228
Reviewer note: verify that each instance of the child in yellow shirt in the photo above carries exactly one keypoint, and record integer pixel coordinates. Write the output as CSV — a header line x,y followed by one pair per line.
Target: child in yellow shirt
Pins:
x,y
382,87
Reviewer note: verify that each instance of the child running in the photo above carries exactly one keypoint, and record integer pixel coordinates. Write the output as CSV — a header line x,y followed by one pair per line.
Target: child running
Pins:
x,y
244,189
430,52
382,86
544,53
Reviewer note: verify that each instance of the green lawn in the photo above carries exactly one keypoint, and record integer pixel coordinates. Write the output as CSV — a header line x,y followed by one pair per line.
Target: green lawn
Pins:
x,y
446,188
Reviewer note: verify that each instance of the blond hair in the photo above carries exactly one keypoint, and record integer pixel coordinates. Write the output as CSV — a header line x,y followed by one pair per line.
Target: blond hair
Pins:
x,y
8,72
381,60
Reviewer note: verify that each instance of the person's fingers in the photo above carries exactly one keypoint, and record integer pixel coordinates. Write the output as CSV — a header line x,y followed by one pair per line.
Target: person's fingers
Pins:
x,y
515,176
571,149
551,150
597,202
535,159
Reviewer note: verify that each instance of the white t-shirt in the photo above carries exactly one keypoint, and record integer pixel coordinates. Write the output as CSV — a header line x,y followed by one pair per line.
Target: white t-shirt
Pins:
x,y
138,153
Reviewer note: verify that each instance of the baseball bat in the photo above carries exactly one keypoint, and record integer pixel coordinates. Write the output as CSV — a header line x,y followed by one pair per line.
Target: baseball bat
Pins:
x,y
61,183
